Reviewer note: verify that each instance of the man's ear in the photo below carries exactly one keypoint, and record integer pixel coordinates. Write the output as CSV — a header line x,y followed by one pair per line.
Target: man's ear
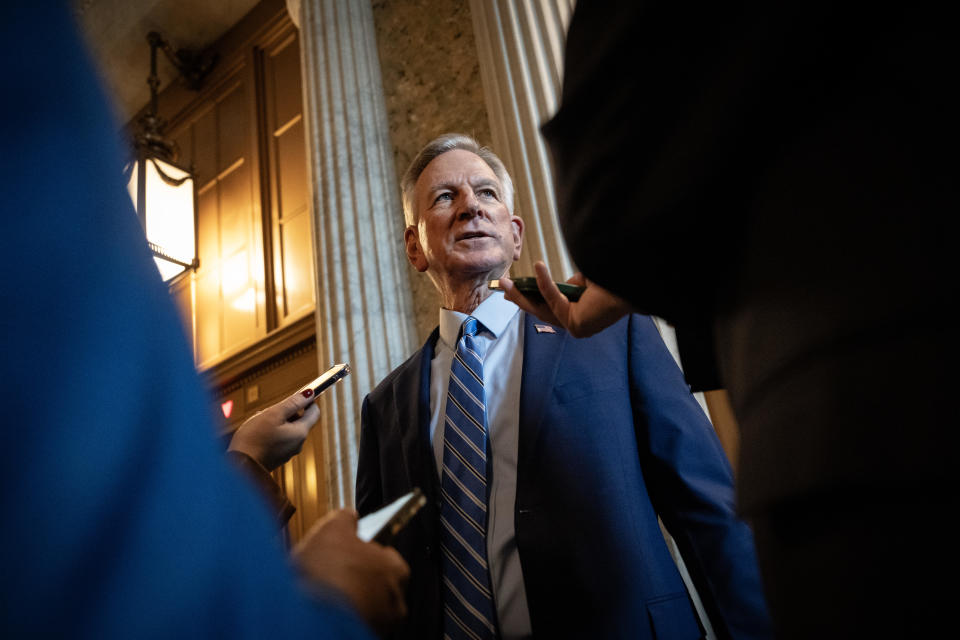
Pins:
x,y
517,236
414,251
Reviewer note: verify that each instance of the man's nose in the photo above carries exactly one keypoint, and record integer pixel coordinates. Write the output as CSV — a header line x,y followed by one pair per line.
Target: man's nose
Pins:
x,y
469,205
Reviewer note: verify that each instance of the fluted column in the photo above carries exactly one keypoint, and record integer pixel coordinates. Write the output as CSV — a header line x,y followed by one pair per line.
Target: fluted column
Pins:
x,y
363,313
520,46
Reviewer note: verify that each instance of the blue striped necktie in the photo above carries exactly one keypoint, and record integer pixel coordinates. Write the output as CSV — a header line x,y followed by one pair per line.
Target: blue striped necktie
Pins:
x,y
467,594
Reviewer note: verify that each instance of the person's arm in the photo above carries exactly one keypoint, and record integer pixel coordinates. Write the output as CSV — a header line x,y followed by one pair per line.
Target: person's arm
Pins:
x,y
267,440
281,507
598,308
691,486
372,577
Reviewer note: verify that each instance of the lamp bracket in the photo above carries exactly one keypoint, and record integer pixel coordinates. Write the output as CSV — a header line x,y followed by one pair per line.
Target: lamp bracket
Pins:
x,y
193,65
151,139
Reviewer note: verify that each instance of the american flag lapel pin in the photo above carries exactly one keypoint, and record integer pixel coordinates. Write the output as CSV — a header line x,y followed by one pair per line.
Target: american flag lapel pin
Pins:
x,y
544,328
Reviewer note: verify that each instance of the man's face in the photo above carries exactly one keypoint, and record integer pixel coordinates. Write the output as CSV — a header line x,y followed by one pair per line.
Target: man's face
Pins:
x,y
464,230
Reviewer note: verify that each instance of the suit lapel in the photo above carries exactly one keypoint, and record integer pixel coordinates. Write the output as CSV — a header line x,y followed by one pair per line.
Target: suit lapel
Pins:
x,y
412,403
541,360
542,353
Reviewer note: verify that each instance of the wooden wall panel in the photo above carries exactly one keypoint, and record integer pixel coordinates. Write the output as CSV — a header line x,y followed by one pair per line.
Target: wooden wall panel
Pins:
x,y
239,300
285,71
292,171
218,133
208,225
236,207
289,215
232,127
208,326
298,282
243,135
205,147
182,292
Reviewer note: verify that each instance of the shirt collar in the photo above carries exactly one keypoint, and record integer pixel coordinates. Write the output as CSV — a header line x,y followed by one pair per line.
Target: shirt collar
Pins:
x,y
494,314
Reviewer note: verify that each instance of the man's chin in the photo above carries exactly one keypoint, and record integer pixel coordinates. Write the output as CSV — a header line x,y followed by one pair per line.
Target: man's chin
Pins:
x,y
481,265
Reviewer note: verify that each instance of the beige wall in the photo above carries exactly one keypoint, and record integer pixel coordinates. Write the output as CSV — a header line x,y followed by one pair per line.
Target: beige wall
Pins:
x,y
432,85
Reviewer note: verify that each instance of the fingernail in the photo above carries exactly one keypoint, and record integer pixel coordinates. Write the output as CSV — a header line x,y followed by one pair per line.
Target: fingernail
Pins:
x,y
307,393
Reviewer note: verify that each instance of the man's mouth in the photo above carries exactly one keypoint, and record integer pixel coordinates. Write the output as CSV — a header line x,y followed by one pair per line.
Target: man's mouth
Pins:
x,y
469,235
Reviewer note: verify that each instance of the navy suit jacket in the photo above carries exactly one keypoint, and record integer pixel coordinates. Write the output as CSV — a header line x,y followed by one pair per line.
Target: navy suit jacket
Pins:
x,y
610,437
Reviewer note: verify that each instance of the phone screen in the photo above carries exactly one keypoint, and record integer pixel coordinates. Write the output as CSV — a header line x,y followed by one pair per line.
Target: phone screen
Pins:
x,y
383,524
327,380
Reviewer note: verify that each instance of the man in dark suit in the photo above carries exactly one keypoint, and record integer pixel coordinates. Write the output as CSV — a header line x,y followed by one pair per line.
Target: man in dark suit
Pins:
x,y
788,172
546,460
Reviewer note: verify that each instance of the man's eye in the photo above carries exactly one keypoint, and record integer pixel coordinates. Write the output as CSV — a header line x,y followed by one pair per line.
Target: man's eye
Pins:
x,y
488,193
443,196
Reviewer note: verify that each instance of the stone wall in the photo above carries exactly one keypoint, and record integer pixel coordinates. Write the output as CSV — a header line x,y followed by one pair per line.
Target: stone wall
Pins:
x,y
432,85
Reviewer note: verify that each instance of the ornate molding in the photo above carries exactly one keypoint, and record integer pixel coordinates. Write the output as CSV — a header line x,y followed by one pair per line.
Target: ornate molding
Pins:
x,y
277,348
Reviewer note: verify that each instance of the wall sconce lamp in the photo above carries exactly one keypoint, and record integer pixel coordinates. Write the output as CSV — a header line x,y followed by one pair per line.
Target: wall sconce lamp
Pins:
x,y
162,191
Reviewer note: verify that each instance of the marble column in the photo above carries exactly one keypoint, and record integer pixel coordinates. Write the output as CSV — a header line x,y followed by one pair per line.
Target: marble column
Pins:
x,y
364,307
520,46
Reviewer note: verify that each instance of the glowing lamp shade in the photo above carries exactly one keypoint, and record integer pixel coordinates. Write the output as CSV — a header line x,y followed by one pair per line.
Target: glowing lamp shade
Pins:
x,y
162,194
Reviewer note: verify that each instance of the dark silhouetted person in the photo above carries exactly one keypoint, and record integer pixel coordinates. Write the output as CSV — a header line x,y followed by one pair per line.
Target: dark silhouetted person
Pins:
x,y
777,180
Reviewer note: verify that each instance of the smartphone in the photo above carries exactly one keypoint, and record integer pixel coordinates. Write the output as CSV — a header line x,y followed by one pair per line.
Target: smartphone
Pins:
x,y
320,384
327,380
383,525
528,287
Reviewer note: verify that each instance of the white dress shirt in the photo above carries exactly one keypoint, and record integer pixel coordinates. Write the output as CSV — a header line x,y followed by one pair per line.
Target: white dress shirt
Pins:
x,y
501,333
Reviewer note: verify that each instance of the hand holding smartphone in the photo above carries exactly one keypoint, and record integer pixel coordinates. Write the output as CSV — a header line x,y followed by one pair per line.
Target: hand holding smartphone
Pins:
x,y
528,287
276,434
582,309
323,382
